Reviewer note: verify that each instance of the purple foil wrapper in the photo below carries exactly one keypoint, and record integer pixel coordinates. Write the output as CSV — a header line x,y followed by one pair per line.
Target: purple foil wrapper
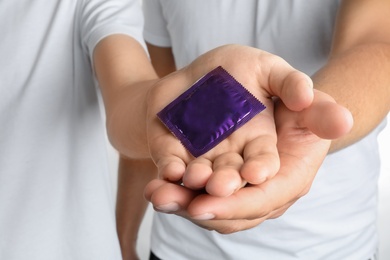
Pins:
x,y
209,111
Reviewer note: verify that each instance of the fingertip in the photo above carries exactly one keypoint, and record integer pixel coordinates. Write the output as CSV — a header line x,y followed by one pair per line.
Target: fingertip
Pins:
x,y
348,119
329,120
197,174
297,91
224,185
261,159
169,197
260,169
300,93
343,122
172,170
151,187
225,178
242,204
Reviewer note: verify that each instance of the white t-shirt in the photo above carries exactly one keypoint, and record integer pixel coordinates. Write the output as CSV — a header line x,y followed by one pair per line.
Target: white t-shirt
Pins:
x,y
55,193
337,218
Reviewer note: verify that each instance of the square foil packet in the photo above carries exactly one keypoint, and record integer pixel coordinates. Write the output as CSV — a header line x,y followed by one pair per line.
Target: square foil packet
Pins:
x,y
209,111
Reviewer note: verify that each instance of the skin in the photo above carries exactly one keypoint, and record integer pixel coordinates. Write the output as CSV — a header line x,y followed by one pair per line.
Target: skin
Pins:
x,y
134,174
359,61
218,165
145,98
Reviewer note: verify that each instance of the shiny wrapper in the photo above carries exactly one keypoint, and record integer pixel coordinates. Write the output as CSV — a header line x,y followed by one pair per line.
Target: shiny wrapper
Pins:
x,y
209,111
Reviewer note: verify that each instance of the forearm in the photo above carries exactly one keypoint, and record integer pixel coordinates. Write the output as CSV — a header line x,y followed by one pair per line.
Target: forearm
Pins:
x,y
126,121
359,80
131,204
125,77
162,59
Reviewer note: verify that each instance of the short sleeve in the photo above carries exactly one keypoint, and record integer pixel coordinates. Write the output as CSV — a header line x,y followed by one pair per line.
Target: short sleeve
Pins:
x,y
155,30
101,18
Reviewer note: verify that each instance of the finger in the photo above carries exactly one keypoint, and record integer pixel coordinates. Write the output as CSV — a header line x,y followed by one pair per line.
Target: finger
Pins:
x,y
233,226
300,161
261,159
243,204
226,177
167,152
324,117
168,197
327,120
263,73
293,87
171,168
258,201
151,187
198,173
227,226
169,155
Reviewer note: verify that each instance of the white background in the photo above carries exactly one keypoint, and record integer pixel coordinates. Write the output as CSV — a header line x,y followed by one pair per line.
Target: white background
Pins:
x,y
384,195
384,205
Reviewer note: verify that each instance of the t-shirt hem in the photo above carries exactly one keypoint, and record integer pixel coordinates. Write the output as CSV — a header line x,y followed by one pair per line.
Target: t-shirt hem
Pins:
x,y
159,41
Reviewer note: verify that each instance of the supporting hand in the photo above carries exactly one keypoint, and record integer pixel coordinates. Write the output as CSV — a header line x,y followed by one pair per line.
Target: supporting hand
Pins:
x,y
251,151
301,153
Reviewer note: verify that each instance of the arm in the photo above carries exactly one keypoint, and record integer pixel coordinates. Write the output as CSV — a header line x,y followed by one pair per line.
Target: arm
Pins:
x,y
125,77
132,97
362,38
121,66
357,74
131,204
162,59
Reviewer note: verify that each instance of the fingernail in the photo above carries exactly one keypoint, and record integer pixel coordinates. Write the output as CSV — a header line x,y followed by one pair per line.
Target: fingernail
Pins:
x,y
167,208
206,216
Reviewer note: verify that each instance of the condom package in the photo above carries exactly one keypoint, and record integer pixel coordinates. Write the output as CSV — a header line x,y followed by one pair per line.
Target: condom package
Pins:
x,y
209,111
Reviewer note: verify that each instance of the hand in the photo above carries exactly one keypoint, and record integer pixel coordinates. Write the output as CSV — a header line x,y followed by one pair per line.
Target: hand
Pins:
x,y
247,155
301,153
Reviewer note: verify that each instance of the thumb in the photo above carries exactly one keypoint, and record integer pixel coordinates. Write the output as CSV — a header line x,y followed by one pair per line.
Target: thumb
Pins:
x,y
326,118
